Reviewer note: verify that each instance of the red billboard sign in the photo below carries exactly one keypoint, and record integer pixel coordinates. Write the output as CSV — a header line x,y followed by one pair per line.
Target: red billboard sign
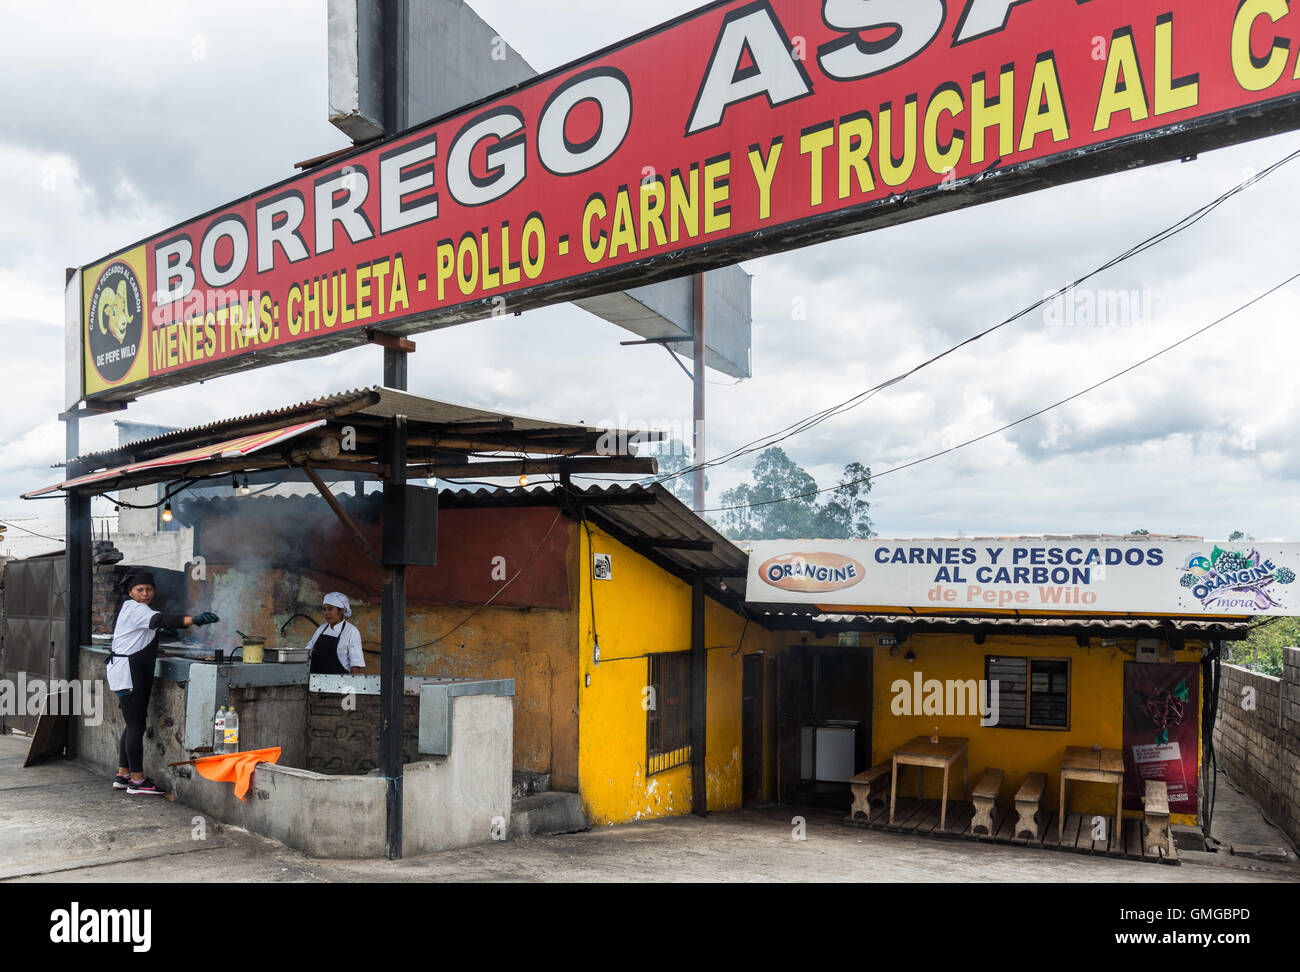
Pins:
x,y
740,129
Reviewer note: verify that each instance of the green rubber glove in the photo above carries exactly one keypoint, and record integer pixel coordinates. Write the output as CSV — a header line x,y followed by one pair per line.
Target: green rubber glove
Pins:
x,y
207,617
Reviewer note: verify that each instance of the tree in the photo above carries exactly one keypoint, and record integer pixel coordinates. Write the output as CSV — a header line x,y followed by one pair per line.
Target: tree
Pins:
x,y
1140,533
783,503
1263,647
845,514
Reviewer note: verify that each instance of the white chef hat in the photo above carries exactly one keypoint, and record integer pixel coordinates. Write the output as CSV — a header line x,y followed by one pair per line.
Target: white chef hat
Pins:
x,y
339,601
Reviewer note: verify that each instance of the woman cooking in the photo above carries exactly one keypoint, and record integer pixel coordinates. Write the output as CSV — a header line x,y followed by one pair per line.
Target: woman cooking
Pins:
x,y
336,646
130,673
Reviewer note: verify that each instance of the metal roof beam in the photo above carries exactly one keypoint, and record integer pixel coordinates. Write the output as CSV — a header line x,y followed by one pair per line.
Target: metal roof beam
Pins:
x,y
342,514
674,543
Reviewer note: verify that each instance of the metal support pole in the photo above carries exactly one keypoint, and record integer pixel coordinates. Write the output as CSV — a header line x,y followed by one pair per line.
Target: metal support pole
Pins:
x,y
697,454
395,369
392,665
699,700
395,20
77,559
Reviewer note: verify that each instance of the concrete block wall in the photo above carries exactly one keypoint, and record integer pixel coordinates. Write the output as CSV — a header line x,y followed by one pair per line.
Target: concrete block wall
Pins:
x,y
346,740
1257,737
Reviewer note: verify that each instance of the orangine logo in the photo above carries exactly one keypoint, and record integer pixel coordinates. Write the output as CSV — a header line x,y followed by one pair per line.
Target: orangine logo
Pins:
x,y
811,573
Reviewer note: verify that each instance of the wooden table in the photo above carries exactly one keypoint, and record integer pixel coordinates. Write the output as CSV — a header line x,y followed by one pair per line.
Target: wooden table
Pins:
x,y
1091,766
920,752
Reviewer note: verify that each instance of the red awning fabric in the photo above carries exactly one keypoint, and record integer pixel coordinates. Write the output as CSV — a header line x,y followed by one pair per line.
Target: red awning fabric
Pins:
x,y
230,449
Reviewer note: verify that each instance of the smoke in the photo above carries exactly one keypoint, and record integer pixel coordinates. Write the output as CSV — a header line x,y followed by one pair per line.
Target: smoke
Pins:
x,y
265,560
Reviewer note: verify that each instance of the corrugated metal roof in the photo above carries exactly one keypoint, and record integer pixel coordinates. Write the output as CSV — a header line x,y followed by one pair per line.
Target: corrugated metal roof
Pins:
x,y
325,401
637,516
237,447
1055,537
669,518
1132,626
418,409
375,402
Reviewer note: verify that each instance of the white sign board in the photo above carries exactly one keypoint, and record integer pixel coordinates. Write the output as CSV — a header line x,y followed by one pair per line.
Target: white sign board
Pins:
x,y
1092,576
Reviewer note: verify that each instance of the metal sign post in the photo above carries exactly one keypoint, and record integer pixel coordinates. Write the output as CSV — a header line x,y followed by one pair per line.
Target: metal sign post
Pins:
x,y
392,664
697,453
394,64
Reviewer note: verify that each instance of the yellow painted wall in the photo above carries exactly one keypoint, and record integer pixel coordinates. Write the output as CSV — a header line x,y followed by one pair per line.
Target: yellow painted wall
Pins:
x,y
535,648
643,610
1096,713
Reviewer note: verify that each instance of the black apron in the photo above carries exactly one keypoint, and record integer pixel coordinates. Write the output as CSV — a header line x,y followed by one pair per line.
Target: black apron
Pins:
x,y
325,656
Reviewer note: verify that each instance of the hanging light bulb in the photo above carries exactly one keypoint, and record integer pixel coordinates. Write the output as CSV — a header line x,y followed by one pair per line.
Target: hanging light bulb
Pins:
x,y
523,479
167,512
242,490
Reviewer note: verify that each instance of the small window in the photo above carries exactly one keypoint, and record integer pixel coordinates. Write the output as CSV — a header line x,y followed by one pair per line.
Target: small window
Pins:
x,y
1033,693
668,713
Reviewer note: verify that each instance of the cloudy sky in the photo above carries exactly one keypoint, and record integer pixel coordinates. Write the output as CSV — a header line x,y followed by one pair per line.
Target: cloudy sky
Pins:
x,y
116,127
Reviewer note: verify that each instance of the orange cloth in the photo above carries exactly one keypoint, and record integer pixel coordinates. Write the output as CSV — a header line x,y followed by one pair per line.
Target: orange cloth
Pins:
x,y
236,768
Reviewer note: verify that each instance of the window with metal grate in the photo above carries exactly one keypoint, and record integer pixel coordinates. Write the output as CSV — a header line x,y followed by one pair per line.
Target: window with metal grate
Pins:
x,y
668,712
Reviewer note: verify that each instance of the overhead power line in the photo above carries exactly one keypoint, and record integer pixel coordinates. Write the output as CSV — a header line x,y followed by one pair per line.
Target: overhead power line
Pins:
x,y
815,419
1019,421
15,526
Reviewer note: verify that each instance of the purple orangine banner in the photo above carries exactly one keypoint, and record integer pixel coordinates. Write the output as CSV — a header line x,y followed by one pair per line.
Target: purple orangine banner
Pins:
x,y
1161,732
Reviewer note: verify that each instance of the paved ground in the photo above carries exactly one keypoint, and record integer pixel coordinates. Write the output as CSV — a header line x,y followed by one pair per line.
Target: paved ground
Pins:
x,y
59,822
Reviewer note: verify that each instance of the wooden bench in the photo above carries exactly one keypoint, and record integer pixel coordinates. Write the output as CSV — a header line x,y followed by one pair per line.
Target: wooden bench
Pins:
x,y
985,799
1029,803
870,786
1155,818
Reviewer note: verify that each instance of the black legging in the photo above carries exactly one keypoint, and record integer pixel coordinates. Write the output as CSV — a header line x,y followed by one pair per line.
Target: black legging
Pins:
x,y
135,709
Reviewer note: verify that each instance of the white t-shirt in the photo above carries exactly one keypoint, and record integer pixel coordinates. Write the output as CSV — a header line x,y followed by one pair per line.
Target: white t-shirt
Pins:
x,y
349,652
131,634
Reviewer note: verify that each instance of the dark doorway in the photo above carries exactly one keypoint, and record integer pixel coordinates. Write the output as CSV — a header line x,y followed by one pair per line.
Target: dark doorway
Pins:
x,y
823,723
751,729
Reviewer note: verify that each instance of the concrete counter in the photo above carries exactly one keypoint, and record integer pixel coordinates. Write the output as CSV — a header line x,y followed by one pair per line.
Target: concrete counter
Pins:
x,y
325,797
270,699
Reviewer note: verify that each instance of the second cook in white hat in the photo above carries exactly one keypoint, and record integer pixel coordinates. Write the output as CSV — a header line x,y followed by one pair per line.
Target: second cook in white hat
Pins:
x,y
336,646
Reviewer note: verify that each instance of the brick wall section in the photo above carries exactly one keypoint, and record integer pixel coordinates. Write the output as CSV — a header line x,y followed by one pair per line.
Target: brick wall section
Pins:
x,y
104,581
103,598
1260,747
346,742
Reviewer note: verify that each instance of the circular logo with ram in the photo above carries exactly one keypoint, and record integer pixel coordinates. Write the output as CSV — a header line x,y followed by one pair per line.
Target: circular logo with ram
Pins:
x,y
115,324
